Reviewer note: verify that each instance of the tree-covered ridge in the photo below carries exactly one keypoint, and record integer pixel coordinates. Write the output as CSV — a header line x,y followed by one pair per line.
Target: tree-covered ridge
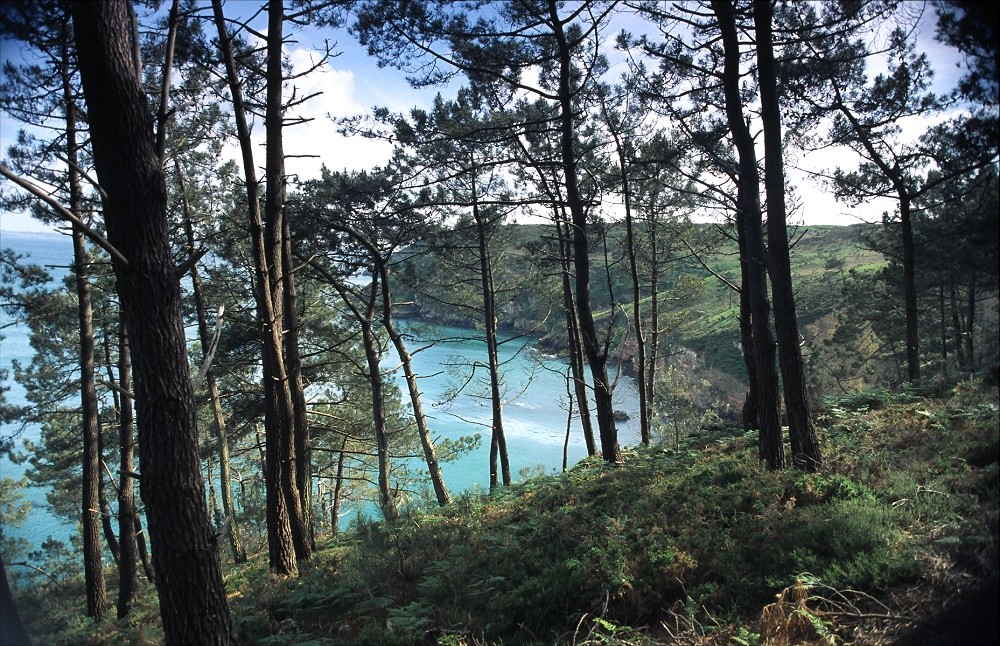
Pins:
x,y
226,366
832,266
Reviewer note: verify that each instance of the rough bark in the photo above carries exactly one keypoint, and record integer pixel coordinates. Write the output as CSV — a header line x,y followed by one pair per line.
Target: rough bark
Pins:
x,y
277,402
802,432
218,416
771,450
93,571
12,632
750,422
596,355
128,574
293,363
97,596
573,336
191,591
274,248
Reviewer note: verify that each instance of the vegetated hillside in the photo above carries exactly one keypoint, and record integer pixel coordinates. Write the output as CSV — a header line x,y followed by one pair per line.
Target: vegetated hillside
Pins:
x,y
698,311
894,541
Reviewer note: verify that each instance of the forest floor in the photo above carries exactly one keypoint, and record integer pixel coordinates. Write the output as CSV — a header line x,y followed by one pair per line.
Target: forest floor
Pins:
x,y
894,541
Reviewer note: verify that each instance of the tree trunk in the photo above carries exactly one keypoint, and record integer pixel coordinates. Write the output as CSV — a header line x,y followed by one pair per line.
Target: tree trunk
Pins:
x,y
426,441
274,248
337,488
225,477
382,274
909,286
277,400
970,319
770,447
573,339
956,324
498,441
130,534
802,432
293,363
387,501
12,632
569,309
372,353
596,356
97,596
569,419
128,575
645,402
650,358
895,177
750,419
191,590
102,495
140,542
213,501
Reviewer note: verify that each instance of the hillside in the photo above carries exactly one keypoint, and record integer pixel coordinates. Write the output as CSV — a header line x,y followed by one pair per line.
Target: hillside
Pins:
x,y
698,311
896,536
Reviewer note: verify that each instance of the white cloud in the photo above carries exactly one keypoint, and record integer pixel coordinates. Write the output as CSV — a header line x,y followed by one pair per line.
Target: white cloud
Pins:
x,y
335,91
336,87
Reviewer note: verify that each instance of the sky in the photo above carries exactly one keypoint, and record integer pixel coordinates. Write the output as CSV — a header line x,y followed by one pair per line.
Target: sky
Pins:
x,y
351,84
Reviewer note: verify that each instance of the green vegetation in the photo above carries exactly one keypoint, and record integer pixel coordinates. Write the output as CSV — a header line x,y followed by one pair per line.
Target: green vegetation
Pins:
x,y
691,544
698,311
292,408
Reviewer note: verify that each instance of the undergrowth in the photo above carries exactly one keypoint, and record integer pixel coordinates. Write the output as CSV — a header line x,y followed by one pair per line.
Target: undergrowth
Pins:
x,y
700,545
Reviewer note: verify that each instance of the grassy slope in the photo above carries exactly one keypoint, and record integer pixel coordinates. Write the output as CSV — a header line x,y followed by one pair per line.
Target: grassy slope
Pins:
x,y
818,257
707,322
903,518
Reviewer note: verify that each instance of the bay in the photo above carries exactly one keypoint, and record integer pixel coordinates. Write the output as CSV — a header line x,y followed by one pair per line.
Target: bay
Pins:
x,y
54,251
535,415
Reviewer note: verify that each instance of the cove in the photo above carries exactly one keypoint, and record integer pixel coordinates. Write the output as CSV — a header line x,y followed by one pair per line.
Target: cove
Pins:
x,y
535,413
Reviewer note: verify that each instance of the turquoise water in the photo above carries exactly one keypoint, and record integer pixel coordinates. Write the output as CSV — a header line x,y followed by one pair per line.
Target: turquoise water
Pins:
x,y
54,251
534,414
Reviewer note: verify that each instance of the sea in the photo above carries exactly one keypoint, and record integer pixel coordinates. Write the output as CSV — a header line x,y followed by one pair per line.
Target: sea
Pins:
x,y
535,414
55,252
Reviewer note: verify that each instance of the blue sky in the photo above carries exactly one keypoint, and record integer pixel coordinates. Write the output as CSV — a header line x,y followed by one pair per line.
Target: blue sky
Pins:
x,y
351,84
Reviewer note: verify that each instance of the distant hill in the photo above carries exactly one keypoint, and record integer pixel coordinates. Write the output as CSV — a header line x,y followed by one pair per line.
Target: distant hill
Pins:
x,y
698,310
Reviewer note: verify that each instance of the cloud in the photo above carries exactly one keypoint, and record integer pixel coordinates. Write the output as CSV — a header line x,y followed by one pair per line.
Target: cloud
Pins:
x,y
335,97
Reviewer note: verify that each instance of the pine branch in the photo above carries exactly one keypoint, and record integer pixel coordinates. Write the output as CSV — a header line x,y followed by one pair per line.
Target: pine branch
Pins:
x,y
61,210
